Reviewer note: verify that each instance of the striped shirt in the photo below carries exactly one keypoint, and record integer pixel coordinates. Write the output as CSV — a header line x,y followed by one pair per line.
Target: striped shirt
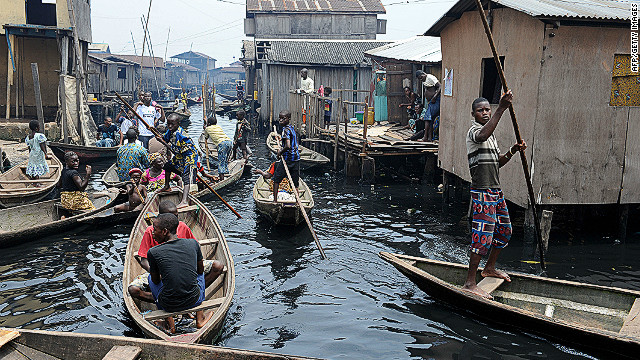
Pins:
x,y
483,159
215,133
292,154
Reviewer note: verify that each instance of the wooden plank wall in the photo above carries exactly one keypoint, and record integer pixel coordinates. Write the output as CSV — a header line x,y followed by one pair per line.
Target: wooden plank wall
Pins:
x,y
396,72
630,193
519,38
283,78
316,26
579,139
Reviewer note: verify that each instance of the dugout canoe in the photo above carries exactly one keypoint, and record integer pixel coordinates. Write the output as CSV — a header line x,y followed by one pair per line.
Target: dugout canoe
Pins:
x,y
236,168
50,345
86,154
16,188
308,157
110,177
599,317
213,150
184,115
219,294
282,213
109,216
30,222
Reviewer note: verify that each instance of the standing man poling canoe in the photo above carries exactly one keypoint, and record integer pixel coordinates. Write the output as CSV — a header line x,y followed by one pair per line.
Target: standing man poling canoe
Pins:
x,y
491,226
152,115
288,152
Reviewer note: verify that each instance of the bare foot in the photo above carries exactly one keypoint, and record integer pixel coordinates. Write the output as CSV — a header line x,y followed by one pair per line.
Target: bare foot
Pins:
x,y
201,320
474,289
165,189
182,204
496,273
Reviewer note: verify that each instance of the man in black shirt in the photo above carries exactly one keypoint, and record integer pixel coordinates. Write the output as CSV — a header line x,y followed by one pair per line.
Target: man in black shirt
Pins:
x,y
176,276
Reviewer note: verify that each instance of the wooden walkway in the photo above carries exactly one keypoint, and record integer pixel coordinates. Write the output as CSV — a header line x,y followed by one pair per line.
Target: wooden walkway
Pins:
x,y
382,139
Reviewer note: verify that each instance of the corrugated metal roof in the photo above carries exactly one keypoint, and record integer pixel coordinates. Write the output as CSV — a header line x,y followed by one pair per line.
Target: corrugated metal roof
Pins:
x,y
421,49
146,62
191,54
359,6
569,9
186,67
320,52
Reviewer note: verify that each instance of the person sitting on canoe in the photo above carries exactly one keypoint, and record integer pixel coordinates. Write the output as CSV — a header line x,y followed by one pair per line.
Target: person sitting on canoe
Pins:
x,y
136,192
288,152
491,226
106,134
72,185
222,142
38,156
241,136
154,177
185,160
131,155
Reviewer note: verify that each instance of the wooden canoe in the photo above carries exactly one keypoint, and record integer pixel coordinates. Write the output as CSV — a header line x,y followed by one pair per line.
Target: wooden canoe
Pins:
x,y
184,114
600,317
17,189
51,345
219,294
86,154
30,222
109,216
213,150
110,177
236,168
308,157
282,213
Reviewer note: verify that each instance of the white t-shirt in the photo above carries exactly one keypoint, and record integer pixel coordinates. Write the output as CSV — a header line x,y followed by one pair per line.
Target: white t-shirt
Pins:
x,y
149,114
126,141
126,124
306,85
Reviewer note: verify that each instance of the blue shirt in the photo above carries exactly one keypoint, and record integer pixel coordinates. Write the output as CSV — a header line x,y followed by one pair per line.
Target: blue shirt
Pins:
x,y
108,132
184,151
291,154
131,156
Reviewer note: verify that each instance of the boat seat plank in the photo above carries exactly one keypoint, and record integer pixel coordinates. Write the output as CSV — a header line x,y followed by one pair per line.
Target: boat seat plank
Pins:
x,y
207,304
27,353
25,181
489,284
7,335
212,241
180,210
126,352
631,325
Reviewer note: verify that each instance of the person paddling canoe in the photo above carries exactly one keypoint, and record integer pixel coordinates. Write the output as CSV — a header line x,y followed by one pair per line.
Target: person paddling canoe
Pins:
x,y
491,226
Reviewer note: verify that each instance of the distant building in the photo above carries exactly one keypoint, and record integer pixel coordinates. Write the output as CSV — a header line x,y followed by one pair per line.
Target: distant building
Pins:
x,y
39,32
99,48
398,63
328,19
576,100
152,70
110,74
183,76
225,77
334,63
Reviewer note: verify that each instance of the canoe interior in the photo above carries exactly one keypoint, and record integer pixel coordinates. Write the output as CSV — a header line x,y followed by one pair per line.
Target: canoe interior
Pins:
x,y
111,178
236,168
85,153
283,213
203,226
44,345
574,303
16,178
306,155
27,216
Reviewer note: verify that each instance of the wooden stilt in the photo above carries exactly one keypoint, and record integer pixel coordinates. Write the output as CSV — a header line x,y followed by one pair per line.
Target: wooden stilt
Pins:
x,y
38,95
9,77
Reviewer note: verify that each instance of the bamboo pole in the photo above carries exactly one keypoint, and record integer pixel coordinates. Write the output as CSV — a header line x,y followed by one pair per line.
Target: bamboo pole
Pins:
x,y
516,129
304,212
204,127
335,138
270,108
365,121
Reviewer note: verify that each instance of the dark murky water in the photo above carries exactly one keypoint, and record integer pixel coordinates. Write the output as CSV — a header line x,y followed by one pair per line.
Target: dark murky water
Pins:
x,y
289,300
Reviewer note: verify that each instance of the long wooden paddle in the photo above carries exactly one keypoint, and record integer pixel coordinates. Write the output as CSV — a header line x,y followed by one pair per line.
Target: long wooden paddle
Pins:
x,y
159,136
304,212
516,129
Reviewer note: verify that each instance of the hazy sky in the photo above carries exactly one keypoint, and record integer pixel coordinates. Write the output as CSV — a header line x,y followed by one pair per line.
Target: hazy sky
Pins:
x,y
216,27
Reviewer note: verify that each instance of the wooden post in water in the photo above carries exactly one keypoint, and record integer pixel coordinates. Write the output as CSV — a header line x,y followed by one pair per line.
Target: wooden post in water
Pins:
x,y
365,120
335,138
36,90
270,109
63,108
9,74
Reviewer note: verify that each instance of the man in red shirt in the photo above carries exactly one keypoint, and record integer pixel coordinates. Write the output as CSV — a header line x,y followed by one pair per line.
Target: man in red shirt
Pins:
x,y
139,287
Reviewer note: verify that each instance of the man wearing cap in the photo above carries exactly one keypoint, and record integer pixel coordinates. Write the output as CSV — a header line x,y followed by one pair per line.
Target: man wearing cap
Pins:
x,y
431,97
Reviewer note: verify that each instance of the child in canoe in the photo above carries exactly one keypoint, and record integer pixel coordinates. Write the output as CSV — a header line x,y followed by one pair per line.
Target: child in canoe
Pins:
x,y
72,186
136,192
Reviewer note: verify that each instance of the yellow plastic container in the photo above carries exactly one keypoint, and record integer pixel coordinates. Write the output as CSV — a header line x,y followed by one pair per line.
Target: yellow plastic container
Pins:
x,y
371,118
